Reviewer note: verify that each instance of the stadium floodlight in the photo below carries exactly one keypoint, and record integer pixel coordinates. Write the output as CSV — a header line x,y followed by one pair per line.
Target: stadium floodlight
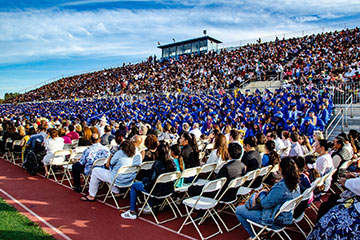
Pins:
x,y
174,40
204,32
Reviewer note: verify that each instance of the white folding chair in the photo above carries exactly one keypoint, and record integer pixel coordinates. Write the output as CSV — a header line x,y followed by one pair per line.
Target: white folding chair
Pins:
x,y
261,175
343,167
77,153
234,184
246,190
306,195
97,163
16,150
163,178
187,173
125,170
59,160
7,149
75,143
288,206
274,168
207,170
204,203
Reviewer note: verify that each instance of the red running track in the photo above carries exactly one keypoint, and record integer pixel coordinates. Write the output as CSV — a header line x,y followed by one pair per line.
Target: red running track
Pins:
x,y
66,217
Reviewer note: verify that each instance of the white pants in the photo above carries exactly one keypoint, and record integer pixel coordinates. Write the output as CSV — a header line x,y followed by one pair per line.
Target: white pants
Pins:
x,y
99,175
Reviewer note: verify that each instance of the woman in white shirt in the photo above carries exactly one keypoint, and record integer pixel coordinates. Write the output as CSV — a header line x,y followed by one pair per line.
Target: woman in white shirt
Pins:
x,y
219,154
52,144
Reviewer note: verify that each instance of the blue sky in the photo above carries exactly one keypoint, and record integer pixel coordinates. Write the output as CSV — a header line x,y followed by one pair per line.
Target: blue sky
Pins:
x,y
42,40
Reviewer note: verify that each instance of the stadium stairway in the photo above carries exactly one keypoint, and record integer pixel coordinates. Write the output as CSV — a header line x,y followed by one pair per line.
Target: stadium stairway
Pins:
x,y
352,122
261,85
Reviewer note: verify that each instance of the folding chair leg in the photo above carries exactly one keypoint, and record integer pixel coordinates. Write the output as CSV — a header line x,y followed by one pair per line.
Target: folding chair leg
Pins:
x,y
85,183
298,226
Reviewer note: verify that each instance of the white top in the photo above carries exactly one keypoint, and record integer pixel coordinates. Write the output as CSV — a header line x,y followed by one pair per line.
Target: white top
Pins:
x,y
323,163
214,158
196,132
52,145
353,184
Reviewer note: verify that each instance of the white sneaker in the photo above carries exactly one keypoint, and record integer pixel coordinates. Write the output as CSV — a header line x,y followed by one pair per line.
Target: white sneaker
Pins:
x,y
146,210
128,215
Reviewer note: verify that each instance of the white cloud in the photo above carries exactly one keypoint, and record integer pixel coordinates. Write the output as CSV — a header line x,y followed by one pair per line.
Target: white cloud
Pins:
x,y
34,34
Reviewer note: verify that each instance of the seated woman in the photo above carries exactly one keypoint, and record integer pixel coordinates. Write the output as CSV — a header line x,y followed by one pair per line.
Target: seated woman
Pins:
x,y
52,144
342,221
123,157
270,202
86,136
163,164
219,154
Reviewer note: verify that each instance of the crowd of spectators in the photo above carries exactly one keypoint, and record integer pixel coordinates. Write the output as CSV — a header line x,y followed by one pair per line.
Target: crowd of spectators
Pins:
x,y
326,58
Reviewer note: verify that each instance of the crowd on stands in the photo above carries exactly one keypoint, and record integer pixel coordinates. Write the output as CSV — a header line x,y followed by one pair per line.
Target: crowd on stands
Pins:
x,y
327,58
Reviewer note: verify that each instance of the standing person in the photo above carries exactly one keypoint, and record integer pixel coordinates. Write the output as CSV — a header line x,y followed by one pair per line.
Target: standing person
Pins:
x,y
163,164
90,155
189,150
271,201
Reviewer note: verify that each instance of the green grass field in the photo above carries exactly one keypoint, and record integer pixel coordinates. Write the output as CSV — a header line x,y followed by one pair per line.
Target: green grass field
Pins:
x,y
14,225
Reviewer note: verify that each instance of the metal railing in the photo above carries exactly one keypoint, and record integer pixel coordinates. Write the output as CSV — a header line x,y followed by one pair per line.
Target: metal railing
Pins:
x,y
340,117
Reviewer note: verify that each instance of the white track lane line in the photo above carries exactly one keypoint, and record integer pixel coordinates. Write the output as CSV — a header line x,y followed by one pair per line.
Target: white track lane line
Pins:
x,y
35,215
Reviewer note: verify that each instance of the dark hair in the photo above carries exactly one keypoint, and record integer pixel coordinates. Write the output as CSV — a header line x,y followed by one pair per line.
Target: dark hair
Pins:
x,y
234,134
340,140
53,133
107,128
151,142
71,128
274,158
32,131
290,173
163,154
300,162
119,137
235,150
343,135
286,134
324,143
353,133
260,138
251,141
175,149
270,145
128,148
294,137
310,159
94,139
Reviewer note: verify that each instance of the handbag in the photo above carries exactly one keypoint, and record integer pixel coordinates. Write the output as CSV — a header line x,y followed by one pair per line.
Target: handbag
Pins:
x,y
253,203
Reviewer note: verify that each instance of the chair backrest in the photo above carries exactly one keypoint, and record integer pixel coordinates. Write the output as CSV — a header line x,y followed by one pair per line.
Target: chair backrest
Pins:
x,y
168,177
237,182
147,165
59,156
128,169
289,205
214,185
190,172
207,168
8,144
68,146
99,162
75,141
264,171
80,149
17,143
345,165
